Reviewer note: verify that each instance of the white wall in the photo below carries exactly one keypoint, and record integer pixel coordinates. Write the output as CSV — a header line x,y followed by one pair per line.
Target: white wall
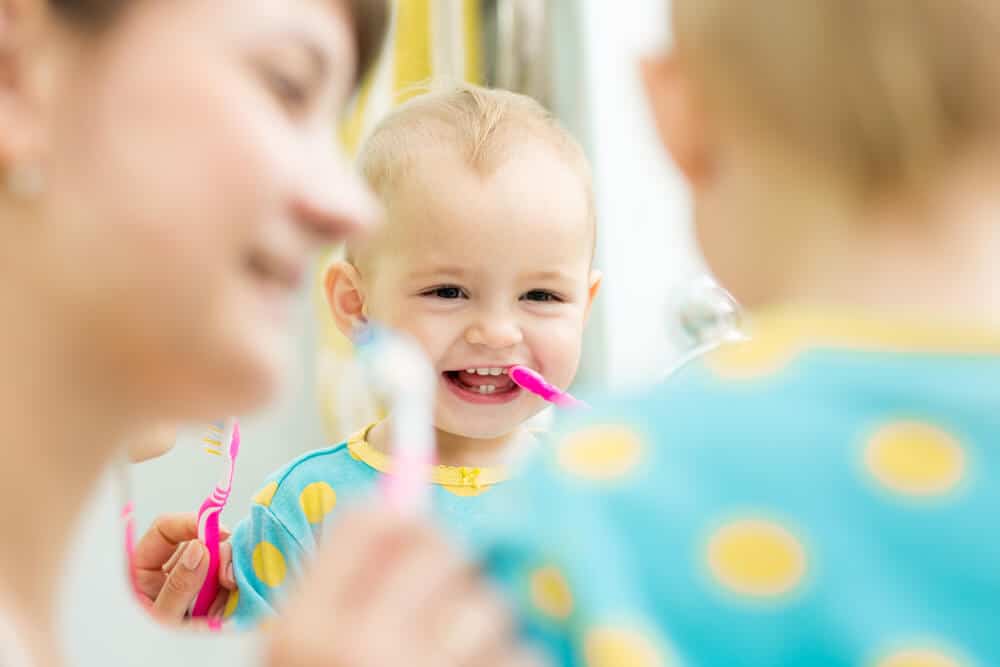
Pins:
x,y
645,245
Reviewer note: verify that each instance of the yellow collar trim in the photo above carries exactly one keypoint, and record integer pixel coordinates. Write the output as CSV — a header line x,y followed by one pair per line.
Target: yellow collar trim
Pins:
x,y
858,329
461,476
778,336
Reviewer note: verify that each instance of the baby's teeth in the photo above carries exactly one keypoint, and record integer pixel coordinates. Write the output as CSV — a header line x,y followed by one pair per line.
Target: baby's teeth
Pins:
x,y
487,389
494,371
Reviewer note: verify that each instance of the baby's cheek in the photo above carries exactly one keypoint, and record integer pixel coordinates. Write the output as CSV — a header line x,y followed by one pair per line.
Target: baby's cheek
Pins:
x,y
559,352
430,333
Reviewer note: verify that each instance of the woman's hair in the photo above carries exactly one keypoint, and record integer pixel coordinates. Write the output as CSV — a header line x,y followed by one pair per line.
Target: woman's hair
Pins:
x,y
881,93
370,19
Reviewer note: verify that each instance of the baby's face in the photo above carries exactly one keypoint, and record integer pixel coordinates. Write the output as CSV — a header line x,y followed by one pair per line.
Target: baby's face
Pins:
x,y
488,272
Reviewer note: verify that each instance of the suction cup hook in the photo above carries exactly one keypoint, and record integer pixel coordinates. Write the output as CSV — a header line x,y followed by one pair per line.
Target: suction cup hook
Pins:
x,y
708,316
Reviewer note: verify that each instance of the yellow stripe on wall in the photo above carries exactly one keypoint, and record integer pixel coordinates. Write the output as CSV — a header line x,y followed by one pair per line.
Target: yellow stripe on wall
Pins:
x,y
472,22
351,129
412,48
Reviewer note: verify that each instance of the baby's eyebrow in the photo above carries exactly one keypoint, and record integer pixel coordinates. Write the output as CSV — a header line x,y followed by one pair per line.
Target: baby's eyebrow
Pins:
x,y
438,272
548,275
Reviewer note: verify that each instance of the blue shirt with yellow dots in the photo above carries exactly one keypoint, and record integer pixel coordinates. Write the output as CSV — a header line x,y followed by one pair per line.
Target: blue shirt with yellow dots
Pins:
x,y
827,493
288,514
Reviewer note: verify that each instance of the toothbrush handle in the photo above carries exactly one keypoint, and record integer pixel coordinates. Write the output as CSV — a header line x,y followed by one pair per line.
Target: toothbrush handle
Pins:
x,y
208,533
566,400
128,516
407,489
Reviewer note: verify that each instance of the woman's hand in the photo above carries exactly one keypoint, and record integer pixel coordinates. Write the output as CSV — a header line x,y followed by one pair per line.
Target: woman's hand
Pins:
x,y
384,590
171,565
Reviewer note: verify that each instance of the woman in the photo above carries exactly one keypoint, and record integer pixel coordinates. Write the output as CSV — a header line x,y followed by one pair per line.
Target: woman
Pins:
x,y
167,169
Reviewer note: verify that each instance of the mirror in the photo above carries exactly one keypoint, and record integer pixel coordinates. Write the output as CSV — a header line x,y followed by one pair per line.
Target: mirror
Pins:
x,y
555,52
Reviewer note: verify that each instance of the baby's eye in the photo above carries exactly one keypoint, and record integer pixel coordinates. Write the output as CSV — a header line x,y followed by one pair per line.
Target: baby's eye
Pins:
x,y
446,292
540,295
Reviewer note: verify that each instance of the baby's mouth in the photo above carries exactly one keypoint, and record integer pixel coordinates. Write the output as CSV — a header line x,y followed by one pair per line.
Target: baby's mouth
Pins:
x,y
487,381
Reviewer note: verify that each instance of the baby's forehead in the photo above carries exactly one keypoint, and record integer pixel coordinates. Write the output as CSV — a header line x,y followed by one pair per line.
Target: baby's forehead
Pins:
x,y
533,202
533,184
511,253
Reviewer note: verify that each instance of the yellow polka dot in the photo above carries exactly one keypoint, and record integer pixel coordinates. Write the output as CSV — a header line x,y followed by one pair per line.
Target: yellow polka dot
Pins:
x,y
601,452
266,495
269,564
621,647
915,458
317,500
460,490
231,604
550,593
756,557
919,657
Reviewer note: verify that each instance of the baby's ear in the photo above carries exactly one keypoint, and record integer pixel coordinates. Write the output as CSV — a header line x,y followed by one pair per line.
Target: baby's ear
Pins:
x,y
345,297
679,115
596,278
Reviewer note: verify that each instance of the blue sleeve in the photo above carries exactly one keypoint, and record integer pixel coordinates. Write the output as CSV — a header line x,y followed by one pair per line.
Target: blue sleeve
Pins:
x,y
285,524
266,558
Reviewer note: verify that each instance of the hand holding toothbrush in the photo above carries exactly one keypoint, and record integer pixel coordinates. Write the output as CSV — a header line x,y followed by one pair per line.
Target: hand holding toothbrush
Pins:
x,y
171,567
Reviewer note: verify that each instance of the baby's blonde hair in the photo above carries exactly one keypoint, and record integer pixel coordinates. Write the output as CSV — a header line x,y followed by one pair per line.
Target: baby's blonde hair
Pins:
x,y
485,126
880,93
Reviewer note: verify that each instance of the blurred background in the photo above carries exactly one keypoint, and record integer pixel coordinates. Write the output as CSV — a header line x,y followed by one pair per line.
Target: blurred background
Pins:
x,y
580,59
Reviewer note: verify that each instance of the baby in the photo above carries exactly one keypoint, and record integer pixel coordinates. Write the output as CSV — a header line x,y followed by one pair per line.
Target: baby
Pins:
x,y
485,260
825,493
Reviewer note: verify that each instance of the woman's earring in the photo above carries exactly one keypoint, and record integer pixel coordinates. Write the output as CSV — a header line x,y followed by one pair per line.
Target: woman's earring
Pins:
x,y
25,180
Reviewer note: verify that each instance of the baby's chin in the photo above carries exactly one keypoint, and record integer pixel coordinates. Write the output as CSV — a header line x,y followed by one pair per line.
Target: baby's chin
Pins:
x,y
478,429
485,426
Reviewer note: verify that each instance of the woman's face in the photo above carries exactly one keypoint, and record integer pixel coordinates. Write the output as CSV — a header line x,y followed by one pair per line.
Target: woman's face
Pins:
x,y
191,169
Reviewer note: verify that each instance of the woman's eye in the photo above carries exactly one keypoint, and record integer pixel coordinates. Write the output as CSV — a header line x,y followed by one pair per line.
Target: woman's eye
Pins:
x,y
446,292
540,295
289,90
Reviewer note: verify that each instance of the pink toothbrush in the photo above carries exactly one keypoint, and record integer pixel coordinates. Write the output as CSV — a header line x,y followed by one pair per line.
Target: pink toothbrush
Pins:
x,y
528,379
208,515
128,518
